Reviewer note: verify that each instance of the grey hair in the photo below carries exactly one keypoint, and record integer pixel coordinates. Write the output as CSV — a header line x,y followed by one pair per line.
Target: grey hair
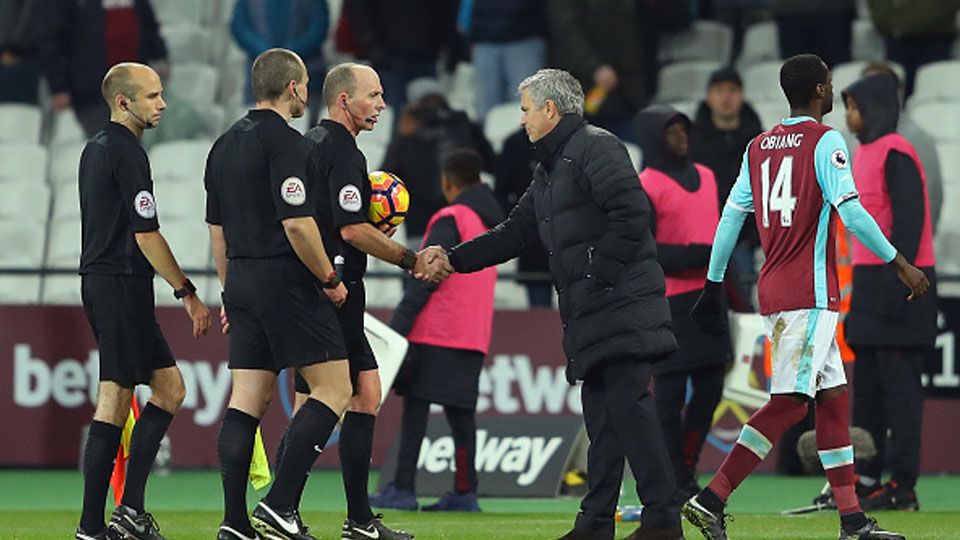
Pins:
x,y
557,85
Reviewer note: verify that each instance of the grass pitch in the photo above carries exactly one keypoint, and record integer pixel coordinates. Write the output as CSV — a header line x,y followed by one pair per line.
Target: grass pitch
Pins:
x,y
41,505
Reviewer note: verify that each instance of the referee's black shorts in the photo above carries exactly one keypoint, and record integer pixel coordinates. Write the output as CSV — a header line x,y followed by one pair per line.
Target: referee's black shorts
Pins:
x,y
121,314
279,316
359,352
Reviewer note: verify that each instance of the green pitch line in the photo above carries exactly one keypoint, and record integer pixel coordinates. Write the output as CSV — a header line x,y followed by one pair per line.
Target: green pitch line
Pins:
x,y
40,505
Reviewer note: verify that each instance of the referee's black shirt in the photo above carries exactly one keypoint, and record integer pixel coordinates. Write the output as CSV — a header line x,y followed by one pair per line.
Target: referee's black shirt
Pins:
x,y
116,201
256,178
342,191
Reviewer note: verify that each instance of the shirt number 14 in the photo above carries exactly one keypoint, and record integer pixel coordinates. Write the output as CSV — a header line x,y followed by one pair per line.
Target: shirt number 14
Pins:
x,y
780,198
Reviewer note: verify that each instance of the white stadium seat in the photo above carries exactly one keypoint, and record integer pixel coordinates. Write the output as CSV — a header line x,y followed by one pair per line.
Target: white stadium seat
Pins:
x,y
22,244
63,244
867,43
19,123
27,201
382,132
761,82
848,73
61,289
180,161
940,119
185,43
771,112
64,165
635,153
374,151
19,289
66,128
949,155
196,83
180,201
66,203
705,40
501,121
23,163
685,81
760,44
938,81
170,12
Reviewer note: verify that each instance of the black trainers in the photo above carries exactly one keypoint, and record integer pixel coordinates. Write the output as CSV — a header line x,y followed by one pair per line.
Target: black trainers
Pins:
x,y
870,531
126,524
226,532
82,535
712,526
375,530
278,525
890,496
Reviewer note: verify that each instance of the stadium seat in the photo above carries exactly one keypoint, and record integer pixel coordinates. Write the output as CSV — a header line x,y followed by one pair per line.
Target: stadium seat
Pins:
x,y
705,40
866,44
847,73
761,82
460,93
760,44
63,244
194,82
189,241
949,155
180,161
180,12
22,244
61,290
771,112
688,108
947,241
19,289
25,119
938,81
635,153
383,131
942,119
384,292
66,128
66,202
374,152
181,201
500,123
509,294
27,201
64,165
234,70
684,81
217,13
22,163
186,43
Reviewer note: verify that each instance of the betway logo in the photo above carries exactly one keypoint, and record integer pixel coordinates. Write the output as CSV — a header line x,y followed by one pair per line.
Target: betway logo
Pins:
x,y
523,456
511,385
71,383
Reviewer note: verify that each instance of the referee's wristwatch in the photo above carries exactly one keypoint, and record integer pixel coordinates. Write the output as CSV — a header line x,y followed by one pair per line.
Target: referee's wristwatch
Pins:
x,y
332,281
188,289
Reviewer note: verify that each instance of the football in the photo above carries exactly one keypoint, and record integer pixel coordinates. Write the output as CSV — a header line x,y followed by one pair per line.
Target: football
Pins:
x,y
389,199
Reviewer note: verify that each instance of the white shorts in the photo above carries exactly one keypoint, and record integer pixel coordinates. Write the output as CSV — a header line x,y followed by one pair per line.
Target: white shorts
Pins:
x,y
804,354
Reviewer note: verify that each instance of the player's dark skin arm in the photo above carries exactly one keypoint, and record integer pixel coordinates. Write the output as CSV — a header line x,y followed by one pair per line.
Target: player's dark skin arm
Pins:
x,y
155,248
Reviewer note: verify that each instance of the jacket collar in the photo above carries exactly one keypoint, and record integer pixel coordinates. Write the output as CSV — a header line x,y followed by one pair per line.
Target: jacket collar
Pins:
x,y
546,149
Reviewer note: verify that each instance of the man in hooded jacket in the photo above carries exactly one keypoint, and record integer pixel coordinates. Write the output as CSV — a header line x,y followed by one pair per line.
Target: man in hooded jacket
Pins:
x,y
684,216
890,335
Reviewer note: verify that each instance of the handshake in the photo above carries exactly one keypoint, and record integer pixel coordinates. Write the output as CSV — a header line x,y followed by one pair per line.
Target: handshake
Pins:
x,y
432,265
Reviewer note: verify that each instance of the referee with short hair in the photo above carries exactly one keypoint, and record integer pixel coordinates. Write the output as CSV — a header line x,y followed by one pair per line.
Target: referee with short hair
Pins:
x,y
122,248
280,293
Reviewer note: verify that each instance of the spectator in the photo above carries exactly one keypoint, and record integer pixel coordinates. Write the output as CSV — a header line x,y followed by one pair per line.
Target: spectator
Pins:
x,y
298,25
403,40
83,39
821,27
427,132
611,48
21,29
515,166
917,32
448,326
723,126
922,142
684,214
890,335
509,43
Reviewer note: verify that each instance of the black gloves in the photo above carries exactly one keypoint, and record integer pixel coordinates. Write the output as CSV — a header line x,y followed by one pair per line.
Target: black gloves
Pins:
x,y
707,313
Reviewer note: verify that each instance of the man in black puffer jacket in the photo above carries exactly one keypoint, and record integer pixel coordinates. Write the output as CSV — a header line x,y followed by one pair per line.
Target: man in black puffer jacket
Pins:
x,y
592,215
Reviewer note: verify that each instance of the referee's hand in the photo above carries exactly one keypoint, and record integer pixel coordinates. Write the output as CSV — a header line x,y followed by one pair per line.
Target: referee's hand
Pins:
x,y
337,295
198,313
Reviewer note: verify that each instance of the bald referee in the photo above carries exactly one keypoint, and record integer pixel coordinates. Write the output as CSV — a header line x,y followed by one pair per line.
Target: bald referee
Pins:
x,y
122,248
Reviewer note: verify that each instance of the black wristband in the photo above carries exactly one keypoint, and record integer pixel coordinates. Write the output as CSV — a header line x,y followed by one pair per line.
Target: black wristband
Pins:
x,y
333,280
188,289
409,259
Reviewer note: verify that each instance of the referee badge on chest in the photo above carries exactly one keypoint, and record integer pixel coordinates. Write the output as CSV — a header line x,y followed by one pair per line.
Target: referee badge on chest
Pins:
x,y
292,191
144,205
350,198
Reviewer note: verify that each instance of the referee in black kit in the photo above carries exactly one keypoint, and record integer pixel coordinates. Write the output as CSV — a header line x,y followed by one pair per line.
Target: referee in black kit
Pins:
x,y
271,261
121,249
354,99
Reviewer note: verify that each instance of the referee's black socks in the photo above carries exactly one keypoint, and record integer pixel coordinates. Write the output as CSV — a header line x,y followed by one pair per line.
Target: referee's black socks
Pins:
x,y
356,447
235,448
305,438
144,444
103,439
